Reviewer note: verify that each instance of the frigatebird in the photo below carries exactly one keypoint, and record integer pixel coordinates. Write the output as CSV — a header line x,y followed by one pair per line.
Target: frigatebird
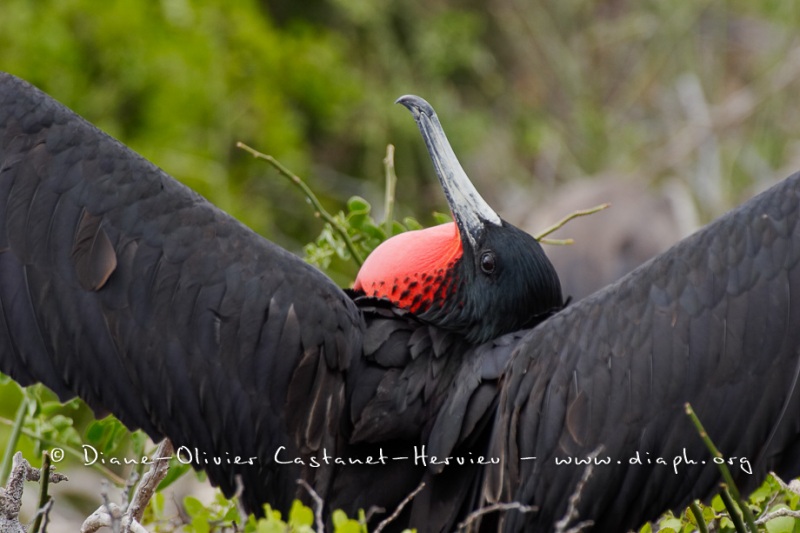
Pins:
x,y
121,286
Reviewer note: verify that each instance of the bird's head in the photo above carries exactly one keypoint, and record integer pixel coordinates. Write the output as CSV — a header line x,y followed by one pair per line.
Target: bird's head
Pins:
x,y
479,276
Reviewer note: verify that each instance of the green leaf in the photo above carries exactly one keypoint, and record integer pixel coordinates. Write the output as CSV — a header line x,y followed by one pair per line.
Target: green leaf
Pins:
x,y
708,514
271,523
194,507
138,441
266,526
783,524
358,220
49,408
374,231
442,218
300,515
107,434
357,204
343,524
232,514
157,503
271,514
200,525
671,523
412,224
176,470
339,517
94,432
61,422
351,526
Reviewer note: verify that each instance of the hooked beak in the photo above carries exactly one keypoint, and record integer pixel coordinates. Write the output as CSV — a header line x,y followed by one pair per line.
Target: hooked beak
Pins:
x,y
470,210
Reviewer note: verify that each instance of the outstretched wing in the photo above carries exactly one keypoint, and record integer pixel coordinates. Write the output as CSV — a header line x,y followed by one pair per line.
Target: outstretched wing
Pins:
x,y
124,287
713,322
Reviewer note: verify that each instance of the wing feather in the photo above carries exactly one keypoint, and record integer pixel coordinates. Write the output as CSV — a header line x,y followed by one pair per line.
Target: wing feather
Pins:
x,y
711,322
124,287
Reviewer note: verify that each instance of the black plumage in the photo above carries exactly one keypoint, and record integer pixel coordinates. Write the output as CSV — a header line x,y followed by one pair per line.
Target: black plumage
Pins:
x,y
128,289
121,286
711,322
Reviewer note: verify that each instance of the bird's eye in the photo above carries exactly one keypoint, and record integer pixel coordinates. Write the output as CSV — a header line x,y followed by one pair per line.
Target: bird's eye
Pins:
x,y
487,262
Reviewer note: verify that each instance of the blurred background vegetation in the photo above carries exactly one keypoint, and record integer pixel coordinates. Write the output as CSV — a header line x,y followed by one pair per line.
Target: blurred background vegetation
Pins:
x,y
532,94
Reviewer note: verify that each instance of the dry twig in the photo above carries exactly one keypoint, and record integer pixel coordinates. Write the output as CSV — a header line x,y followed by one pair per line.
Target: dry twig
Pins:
x,y
320,211
778,513
319,505
541,236
793,486
125,519
399,509
391,185
495,507
575,498
147,487
44,513
11,494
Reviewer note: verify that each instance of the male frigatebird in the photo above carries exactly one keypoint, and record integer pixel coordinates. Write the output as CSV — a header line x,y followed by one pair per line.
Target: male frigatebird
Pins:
x,y
124,287
479,276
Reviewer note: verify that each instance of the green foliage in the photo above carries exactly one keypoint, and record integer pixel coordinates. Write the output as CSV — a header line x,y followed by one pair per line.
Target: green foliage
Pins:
x,y
343,524
107,434
222,516
597,82
48,421
301,520
204,519
768,498
534,93
181,81
559,90
364,231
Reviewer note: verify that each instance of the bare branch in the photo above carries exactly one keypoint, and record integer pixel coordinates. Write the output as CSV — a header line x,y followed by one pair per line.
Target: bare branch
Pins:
x,y
44,512
125,519
575,498
150,481
560,224
400,508
778,513
11,494
391,185
111,515
107,515
295,179
557,242
237,497
792,486
44,498
494,508
319,505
